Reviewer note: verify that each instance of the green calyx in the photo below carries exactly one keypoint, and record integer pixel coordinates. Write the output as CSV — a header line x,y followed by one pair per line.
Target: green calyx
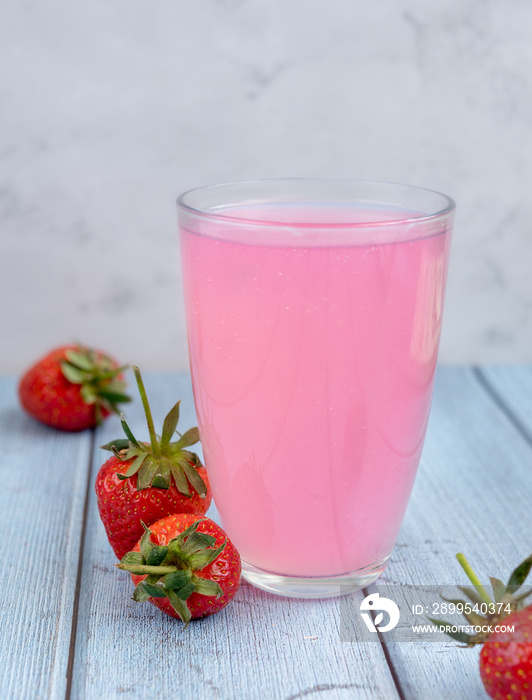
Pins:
x,y
481,609
169,570
98,378
158,462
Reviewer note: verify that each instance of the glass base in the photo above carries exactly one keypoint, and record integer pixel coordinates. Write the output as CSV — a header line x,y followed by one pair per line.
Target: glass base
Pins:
x,y
315,586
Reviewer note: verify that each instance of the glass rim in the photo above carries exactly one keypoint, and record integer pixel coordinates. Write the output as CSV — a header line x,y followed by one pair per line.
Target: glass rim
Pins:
x,y
446,210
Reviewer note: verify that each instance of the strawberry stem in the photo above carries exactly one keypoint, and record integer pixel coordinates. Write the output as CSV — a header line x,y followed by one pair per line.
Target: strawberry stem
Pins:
x,y
147,411
474,579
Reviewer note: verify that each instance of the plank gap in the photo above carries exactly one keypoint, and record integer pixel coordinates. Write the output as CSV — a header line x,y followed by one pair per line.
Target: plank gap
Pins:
x,y
501,404
387,656
77,591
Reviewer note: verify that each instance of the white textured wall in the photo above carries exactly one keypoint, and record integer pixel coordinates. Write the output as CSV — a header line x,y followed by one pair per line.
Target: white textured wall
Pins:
x,y
110,108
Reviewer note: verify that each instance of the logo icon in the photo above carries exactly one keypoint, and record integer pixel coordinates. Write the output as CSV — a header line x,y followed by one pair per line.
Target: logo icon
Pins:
x,y
375,602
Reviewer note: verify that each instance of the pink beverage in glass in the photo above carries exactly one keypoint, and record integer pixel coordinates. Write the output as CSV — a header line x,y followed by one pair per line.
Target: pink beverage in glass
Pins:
x,y
313,336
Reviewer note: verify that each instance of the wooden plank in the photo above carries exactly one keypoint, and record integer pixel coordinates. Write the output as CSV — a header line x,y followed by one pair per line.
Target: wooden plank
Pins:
x,y
261,646
472,495
44,478
511,387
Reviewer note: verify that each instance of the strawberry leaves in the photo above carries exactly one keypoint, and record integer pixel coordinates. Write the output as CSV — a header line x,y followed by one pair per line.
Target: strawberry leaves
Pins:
x,y
193,477
162,460
505,601
518,576
170,569
127,431
98,377
170,425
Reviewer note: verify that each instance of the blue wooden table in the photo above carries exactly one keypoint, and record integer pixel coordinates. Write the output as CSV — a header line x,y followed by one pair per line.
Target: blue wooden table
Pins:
x,y
68,626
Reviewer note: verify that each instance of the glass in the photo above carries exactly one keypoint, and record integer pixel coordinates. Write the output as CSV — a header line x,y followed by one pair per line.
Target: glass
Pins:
x,y
314,310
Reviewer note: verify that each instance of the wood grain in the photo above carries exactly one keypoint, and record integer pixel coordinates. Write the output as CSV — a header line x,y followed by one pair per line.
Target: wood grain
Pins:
x,y
511,388
44,474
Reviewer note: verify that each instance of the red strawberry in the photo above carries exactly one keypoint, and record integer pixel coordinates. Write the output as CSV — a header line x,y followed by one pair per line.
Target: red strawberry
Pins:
x,y
506,659
144,482
72,388
506,654
185,565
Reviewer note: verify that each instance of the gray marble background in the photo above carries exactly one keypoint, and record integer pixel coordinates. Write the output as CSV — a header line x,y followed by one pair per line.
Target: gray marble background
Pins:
x,y
110,108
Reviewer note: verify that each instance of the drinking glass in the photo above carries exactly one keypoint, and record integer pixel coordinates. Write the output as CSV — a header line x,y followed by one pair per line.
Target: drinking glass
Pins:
x,y
314,310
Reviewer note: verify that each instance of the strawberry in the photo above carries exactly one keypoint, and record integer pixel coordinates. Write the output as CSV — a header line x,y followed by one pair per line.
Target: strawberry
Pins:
x,y
185,565
72,388
506,659
144,482
506,632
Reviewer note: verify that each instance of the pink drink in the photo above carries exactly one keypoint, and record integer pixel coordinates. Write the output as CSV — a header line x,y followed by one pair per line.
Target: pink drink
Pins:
x,y
313,364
